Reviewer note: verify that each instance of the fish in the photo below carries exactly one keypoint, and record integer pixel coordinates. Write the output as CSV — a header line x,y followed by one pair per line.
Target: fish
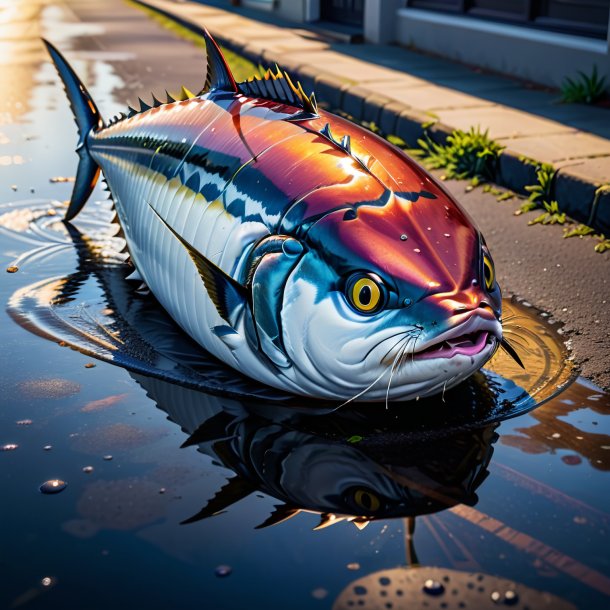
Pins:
x,y
310,465
292,244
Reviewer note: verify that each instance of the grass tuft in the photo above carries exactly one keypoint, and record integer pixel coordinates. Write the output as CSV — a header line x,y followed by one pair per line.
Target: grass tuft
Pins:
x,y
470,154
583,89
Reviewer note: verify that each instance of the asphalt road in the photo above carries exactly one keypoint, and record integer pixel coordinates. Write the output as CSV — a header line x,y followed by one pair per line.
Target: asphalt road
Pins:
x,y
563,277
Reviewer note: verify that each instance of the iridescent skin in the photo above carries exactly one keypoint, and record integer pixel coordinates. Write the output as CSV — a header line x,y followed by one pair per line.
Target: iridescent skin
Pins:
x,y
326,265
374,211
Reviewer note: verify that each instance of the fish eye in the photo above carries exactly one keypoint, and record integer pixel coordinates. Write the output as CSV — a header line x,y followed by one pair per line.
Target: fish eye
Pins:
x,y
364,499
489,272
366,293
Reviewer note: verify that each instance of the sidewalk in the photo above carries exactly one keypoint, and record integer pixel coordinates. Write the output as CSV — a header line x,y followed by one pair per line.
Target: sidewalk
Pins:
x,y
401,90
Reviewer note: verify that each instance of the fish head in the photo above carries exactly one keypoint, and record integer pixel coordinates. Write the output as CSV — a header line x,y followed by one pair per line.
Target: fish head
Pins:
x,y
395,298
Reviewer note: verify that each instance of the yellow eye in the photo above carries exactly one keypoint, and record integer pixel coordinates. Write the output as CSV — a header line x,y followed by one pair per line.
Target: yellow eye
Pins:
x,y
488,272
366,500
365,295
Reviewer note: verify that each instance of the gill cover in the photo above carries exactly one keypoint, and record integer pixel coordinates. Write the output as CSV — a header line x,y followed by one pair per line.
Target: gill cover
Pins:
x,y
273,260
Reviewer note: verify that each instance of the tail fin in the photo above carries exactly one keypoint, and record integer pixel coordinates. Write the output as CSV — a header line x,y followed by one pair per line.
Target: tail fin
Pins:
x,y
87,118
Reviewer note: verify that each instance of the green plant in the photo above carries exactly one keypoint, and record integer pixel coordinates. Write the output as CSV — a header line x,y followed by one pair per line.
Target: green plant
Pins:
x,y
584,89
579,231
551,215
603,245
541,193
470,154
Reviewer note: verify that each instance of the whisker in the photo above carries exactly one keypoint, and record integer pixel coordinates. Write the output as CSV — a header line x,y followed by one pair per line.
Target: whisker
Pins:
x,y
396,360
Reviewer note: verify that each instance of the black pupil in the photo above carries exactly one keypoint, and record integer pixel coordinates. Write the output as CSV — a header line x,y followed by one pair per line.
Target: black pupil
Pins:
x,y
487,273
366,500
365,295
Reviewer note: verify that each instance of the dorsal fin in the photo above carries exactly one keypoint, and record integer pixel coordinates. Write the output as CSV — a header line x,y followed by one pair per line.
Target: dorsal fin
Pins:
x,y
233,491
281,513
278,87
218,74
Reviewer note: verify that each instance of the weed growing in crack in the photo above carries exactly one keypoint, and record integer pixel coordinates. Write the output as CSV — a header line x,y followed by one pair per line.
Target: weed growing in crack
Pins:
x,y
584,89
470,154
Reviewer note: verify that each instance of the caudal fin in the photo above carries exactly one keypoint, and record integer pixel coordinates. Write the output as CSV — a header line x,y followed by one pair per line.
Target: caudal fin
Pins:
x,y
87,117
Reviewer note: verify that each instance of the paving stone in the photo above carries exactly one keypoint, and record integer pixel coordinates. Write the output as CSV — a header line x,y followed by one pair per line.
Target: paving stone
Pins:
x,y
329,90
353,101
372,108
409,126
559,147
514,173
389,117
431,97
596,170
601,213
574,195
502,122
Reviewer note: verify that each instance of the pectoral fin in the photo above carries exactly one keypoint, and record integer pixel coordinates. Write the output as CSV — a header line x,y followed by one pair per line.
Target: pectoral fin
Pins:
x,y
227,294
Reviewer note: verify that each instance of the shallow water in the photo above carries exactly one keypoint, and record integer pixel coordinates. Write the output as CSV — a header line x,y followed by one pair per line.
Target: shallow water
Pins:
x,y
481,493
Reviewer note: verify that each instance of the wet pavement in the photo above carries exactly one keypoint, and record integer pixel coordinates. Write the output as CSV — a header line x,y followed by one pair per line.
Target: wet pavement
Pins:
x,y
178,498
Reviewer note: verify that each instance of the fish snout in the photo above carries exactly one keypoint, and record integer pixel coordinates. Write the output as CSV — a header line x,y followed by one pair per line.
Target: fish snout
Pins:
x,y
464,304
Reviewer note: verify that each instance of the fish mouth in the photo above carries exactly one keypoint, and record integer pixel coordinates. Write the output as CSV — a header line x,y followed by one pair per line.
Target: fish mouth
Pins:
x,y
468,344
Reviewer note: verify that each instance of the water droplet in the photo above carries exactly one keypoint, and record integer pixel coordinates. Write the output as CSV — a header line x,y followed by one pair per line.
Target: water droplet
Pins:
x,y
53,486
9,447
12,269
417,250
48,447
403,237
407,302
429,228
223,571
475,282
24,422
162,490
89,365
353,566
47,581
107,458
14,187
496,597
88,469
433,587
510,598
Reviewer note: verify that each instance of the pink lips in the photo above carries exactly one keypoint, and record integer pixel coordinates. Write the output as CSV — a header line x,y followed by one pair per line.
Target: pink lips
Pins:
x,y
465,345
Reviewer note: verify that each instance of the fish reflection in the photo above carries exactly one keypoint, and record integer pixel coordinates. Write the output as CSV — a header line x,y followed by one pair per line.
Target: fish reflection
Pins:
x,y
321,464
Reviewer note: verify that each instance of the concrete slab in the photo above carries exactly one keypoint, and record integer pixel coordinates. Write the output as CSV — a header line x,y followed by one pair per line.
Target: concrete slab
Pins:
x,y
430,97
502,122
559,147
597,169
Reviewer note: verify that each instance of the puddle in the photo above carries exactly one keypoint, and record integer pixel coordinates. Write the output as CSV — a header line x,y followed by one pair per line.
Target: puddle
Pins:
x,y
187,484
88,304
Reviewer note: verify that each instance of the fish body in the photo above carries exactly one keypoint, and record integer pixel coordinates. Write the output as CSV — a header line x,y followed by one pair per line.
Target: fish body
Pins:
x,y
294,245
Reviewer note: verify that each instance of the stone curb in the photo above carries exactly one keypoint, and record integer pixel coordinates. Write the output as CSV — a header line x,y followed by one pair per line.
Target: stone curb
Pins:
x,y
579,196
